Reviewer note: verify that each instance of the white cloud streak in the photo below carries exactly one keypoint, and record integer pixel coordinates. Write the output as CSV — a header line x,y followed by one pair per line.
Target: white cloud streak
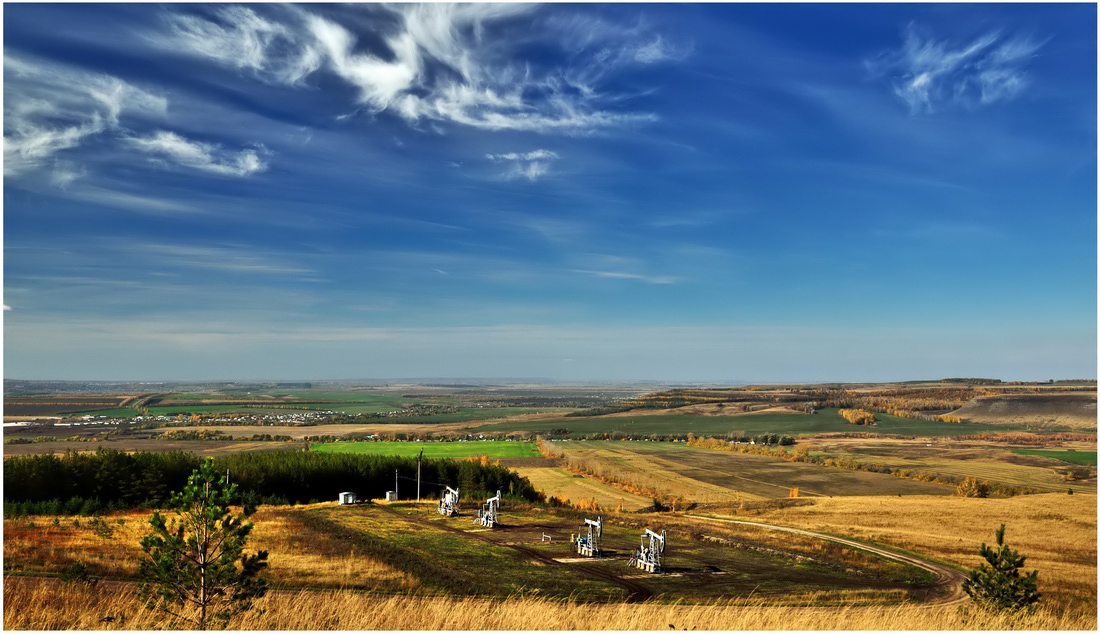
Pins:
x,y
618,275
929,75
529,165
201,156
242,39
49,108
235,258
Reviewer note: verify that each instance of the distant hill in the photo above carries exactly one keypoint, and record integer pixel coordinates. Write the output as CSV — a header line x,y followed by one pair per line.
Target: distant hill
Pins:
x,y
1074,410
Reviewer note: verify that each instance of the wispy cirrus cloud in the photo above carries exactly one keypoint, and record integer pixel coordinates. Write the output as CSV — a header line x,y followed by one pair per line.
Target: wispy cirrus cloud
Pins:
x,y
421,62
206,157
930,75
619,275
238,37
530,165
227,258
49,108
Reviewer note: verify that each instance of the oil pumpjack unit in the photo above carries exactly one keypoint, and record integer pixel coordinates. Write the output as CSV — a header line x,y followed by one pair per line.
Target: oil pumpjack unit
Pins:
x,y
590,546
487,514
448,505
648,558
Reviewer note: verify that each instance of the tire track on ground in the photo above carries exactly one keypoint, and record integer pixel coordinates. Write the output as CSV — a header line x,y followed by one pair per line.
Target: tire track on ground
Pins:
x,y
948,580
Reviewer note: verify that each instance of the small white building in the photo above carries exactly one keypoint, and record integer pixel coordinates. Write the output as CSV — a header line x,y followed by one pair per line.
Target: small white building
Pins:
x,y
347,497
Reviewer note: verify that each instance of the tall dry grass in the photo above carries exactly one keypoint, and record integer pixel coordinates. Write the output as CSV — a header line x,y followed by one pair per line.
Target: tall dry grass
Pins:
x,y
301,556
41,604
1057,533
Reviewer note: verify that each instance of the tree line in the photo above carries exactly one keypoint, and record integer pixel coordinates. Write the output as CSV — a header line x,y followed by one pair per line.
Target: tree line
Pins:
x,y
87,483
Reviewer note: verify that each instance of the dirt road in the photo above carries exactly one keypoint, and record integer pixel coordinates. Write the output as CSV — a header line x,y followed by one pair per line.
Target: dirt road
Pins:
x,y
947,588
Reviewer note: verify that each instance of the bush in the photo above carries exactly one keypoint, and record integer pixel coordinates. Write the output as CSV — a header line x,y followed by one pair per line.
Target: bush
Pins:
x,y
972,488
77,573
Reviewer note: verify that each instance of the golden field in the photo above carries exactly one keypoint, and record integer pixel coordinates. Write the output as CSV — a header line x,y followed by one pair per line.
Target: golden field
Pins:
x,y
46,604
1057,533
301,556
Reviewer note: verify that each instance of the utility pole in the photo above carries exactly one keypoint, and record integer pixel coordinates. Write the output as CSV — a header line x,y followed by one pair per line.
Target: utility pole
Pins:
x,y
418,458
395,495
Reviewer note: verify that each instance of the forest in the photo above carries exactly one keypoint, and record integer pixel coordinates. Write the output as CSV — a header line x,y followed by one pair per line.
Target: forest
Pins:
x,y
86,483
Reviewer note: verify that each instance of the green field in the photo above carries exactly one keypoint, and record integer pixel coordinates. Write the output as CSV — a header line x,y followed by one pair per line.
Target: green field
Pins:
x,y
169,410
120,412
826,420
461,449
1075,457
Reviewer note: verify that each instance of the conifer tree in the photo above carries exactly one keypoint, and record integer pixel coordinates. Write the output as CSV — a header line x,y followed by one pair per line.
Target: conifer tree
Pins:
x,y
195,568
999,585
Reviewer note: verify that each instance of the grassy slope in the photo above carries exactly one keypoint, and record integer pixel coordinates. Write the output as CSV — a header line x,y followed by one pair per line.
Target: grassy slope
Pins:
x,y
1057,532
708,475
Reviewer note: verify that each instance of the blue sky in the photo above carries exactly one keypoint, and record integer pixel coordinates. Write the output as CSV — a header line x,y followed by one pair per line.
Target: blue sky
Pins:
x,y
577,192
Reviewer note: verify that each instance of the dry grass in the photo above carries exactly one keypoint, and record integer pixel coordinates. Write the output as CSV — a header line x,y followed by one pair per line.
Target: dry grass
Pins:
x,y
300,556
45,604
1057,533
986,461
1074,410
556,481
643,471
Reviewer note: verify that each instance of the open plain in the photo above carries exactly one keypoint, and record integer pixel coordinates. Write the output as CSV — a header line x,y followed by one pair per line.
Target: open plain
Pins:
x,y
727,479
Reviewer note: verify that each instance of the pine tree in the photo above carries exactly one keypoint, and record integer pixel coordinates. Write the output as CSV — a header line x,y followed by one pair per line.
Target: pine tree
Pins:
x,y
999,585
195,568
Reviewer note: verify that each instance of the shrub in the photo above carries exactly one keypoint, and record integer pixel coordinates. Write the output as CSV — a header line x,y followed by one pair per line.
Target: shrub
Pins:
x,y
972,488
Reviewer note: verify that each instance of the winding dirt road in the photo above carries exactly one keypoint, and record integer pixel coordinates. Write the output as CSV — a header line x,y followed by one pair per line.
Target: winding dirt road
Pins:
x,y
946,590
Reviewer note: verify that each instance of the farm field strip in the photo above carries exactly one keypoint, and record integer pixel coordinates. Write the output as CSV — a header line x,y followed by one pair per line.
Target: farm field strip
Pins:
x,y
1072,456
650,472
556,481
457,449
825,421
752,476
991,469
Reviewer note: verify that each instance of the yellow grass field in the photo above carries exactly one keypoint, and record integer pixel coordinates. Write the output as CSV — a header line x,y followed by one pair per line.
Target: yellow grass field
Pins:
x,y
556,481
305,558
991,463
41,604
1057,533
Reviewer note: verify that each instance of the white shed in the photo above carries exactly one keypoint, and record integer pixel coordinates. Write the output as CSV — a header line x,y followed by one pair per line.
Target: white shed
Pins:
x,y
347,497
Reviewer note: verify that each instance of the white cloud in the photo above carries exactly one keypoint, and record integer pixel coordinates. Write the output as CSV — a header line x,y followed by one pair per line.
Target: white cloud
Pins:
x,y
379,81
50,108
618,275
231,258
242,39
65,174
929,75
530,165
423,62
201,156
